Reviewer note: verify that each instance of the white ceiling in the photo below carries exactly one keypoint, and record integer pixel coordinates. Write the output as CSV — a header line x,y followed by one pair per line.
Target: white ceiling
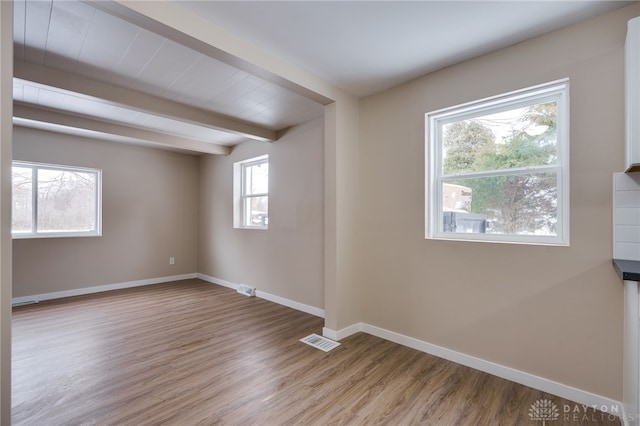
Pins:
x,y
80,67
365,47
77,40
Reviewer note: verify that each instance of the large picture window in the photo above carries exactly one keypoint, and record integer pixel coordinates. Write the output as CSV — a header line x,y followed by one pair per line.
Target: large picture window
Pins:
x,y
251,193
498,169
55,201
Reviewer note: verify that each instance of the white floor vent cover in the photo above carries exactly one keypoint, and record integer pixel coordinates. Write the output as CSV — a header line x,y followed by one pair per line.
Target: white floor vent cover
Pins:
x,y
320,342
246,290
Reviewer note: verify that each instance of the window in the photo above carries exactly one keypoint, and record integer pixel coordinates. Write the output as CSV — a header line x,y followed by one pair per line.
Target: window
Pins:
x,y
498,169
251,193
55,201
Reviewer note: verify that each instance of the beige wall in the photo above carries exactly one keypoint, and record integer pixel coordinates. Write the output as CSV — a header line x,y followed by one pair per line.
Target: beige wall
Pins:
x,y
6,113
150,200
555,312
287,259
341,294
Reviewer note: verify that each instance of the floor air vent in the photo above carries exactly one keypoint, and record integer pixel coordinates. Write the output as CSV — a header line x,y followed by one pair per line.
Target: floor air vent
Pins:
x,y
320,342
246,290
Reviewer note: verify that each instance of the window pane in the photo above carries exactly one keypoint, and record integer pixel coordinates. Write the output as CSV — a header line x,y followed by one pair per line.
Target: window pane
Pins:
x,y
22,213
525,204
498,168
256,178
256,211
66,201
520,137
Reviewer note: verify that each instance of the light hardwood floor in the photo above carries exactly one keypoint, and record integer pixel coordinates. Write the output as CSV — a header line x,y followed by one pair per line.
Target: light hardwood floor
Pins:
x,y
193,353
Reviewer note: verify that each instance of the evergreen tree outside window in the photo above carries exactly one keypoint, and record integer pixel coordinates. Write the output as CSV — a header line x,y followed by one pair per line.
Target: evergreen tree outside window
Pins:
x,y
498,169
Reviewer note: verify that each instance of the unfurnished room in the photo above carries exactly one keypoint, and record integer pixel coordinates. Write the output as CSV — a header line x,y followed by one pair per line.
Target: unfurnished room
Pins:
x,y
319,212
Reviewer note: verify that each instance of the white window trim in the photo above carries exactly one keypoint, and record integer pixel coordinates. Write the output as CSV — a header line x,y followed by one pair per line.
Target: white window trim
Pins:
x,y
240,194
42,234
556,90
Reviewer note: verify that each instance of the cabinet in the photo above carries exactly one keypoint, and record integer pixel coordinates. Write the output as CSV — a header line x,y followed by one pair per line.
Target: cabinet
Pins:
x,y
632,96
631,354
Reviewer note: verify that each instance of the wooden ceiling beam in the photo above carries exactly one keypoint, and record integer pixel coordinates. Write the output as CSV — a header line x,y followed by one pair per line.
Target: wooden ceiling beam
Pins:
x,y
29,116
119,96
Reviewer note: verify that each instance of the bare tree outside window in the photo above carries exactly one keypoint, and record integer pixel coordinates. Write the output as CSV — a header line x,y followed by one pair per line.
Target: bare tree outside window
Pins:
x,y
55,200
22,217
66,201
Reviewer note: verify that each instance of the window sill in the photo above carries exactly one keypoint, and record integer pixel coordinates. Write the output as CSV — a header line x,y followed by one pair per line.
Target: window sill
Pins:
x,y
526,242
53,235
257,228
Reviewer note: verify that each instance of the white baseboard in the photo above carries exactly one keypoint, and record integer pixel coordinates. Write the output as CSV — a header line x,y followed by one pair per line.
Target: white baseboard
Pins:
x,y
341,334
564,391
291,304
268,296
108,287
97,289
218,281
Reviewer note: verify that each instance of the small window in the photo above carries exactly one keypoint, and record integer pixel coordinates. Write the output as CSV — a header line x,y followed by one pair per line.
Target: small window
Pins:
x,y
498,169
251,193
55,201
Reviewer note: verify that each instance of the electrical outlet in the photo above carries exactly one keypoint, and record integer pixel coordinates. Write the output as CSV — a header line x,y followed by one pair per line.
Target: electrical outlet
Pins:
x,y
172,260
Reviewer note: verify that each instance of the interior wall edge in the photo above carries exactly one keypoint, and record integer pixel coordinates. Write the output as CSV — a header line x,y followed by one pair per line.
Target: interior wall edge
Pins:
x,y
6,251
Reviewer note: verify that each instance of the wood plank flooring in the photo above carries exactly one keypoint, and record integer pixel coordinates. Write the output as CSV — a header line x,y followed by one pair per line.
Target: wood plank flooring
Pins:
x,y
193,353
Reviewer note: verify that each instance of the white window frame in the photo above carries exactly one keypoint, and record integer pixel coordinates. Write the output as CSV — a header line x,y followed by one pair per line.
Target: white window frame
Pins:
x,y
240,194
434,122
35,233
